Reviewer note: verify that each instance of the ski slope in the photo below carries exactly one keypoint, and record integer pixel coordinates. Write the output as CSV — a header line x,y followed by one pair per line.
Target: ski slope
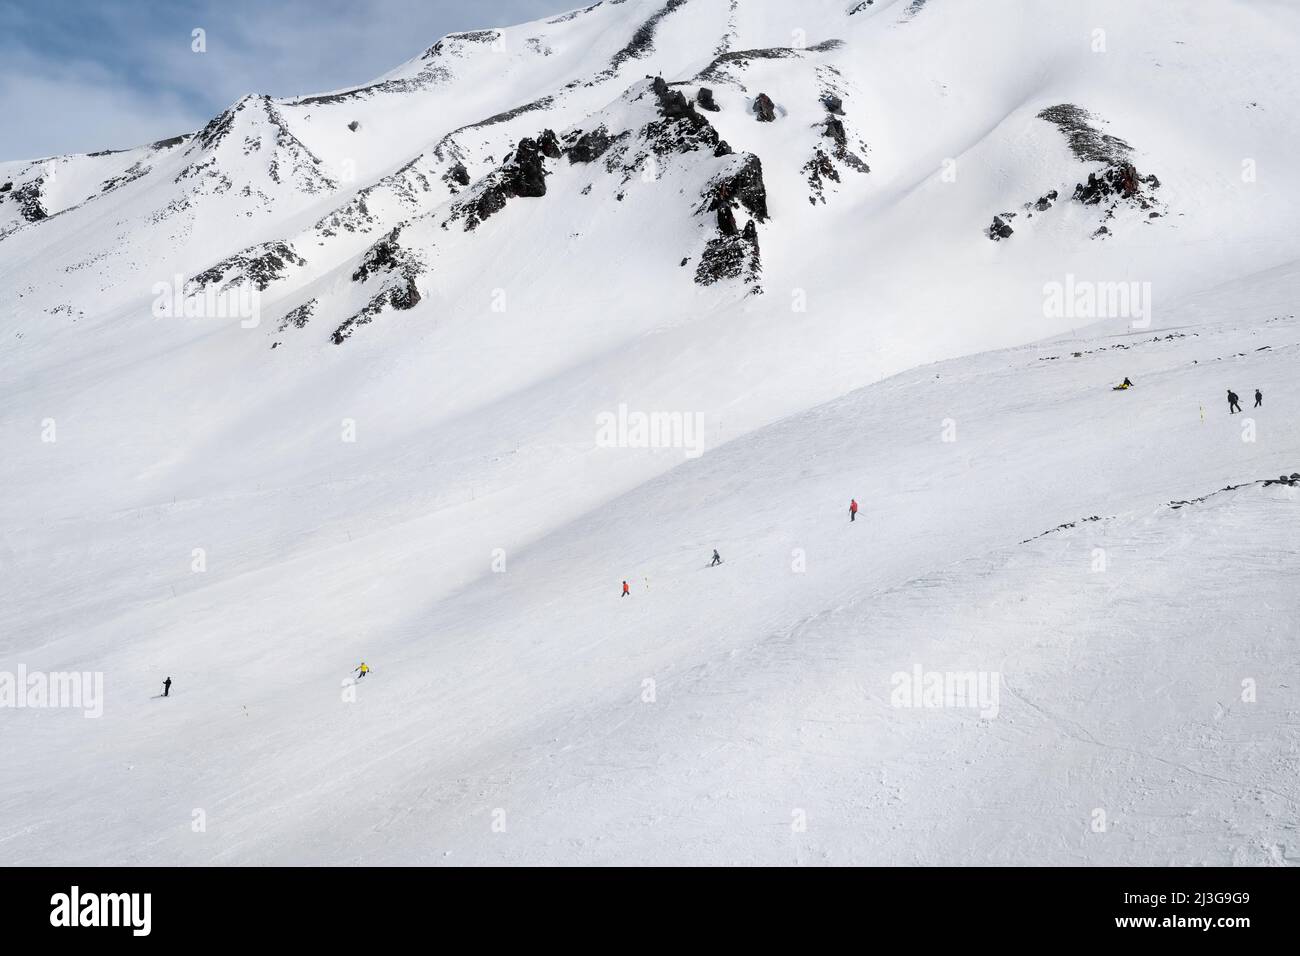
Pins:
x,y
426,490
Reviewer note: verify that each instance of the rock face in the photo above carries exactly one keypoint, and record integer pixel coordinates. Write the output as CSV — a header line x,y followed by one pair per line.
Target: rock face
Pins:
x,y
744,186
458,174
999,229
764,108
734,252
394,266
673,104
522,174
1121,180
590,146
833,104
548,144
834,129
730,257
525,173
259,265
1046,200
28,197
704,100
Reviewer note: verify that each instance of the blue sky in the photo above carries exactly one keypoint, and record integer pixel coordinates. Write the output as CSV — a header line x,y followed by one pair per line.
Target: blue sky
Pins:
x,y
82,75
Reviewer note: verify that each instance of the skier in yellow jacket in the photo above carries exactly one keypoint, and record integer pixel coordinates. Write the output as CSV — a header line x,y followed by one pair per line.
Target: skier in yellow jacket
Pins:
x,y
362,671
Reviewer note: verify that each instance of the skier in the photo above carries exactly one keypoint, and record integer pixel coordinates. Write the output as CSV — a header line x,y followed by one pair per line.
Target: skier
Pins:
x,y
167,686
853,509
1259,398
1232,402
362,671
717,559
1126,383
626,591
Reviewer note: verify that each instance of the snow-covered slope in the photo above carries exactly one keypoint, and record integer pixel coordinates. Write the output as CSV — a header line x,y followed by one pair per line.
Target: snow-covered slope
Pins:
x,y
397,450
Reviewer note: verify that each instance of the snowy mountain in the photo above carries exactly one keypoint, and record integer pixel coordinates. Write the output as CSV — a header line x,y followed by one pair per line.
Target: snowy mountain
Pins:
x,y
420,372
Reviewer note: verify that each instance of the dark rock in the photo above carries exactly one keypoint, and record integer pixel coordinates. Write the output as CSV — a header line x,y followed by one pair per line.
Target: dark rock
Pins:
x,y
764,108
354,126
726,220
704,100
744,186
524,173
835,130
1120,180
1045,201
259,265
459,174
819,168
833,104
730,257
999,229
1086,141
590,146
1101,231
298,317
548,144
6,187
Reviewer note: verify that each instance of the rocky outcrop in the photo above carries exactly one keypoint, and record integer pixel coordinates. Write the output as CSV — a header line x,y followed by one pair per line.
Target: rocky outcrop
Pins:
x,y
1088,143
704,100
258,265
1000,228
396,269
743,184
731,257
456,177
734,252
1119,181
28,197
401,296
764,108
590,146
297,318
522,174
548,144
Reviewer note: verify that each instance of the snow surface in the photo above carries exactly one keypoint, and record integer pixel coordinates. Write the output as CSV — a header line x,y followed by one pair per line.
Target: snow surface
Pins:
x,y
471,542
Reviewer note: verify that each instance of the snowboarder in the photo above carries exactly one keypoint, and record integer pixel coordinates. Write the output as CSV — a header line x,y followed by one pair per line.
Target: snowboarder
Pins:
x,y
167,686
853,509
1126,383
1259,398
626,590
717,558
1232,402
362,671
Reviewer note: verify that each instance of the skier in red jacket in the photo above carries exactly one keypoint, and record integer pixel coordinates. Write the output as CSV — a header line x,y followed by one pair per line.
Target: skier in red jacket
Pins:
x,y
625,589
853,509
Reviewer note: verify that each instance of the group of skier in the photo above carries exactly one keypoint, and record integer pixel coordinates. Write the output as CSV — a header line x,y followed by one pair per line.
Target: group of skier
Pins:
x,y
1234,405
1234,402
